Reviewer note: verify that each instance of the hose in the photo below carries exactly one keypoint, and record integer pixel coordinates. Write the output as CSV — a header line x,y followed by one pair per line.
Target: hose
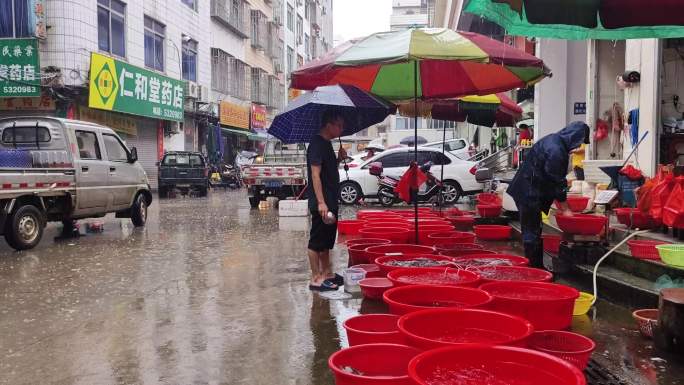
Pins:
x,y
627,238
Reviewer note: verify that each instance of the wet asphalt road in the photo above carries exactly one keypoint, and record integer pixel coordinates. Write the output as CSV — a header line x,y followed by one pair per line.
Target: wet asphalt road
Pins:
x,y
209,292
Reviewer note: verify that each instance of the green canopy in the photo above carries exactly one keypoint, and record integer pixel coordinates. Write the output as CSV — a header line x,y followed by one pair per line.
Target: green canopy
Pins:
x,y
582,19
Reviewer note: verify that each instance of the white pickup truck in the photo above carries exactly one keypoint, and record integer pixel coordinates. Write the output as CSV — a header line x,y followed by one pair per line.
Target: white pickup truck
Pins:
x,y
279,172
55,169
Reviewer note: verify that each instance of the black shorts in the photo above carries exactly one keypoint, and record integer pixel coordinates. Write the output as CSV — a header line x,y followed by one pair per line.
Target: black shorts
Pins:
x,y
322,236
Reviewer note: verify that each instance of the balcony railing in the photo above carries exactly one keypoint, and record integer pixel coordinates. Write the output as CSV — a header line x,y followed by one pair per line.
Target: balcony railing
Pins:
x,y
228,74
259,30
234,14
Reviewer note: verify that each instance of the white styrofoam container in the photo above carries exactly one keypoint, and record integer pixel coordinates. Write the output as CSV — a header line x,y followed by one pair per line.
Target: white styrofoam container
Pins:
x,y
293,208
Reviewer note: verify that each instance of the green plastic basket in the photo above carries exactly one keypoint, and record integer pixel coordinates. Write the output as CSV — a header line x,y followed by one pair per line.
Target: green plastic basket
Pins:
x,y
672,255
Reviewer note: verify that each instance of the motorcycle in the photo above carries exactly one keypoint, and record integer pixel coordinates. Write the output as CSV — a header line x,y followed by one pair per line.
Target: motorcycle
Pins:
x,y
230,176
387,184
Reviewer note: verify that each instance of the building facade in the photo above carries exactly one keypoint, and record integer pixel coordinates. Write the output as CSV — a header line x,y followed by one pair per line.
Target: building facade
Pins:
x,y
160,72
411,13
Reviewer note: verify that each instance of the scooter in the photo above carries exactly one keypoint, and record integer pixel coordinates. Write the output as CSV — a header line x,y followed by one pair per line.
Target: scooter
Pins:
x,y
230,176
386,185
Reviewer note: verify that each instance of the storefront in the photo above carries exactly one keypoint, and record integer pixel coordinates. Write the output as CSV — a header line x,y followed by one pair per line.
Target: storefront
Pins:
x,y
143,106
234,120
28,106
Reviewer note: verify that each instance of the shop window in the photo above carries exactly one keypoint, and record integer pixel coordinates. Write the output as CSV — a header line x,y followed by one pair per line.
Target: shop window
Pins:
x,y
88,146
111,31
155,34
15,20
189,59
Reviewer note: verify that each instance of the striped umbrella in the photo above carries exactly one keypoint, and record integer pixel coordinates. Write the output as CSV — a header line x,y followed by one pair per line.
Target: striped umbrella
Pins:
x,y
584,19
489,110
425,63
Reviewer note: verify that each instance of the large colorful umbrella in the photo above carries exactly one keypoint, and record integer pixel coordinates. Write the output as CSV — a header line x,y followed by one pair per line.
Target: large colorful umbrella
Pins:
x,y
301,119
426,63
489,110
584,19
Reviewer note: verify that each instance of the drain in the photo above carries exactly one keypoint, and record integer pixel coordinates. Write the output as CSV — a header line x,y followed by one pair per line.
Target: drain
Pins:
x,y
598,375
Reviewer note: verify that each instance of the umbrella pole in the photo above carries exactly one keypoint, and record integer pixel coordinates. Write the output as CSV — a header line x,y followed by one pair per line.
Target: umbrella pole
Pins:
x,y
415,142
441,172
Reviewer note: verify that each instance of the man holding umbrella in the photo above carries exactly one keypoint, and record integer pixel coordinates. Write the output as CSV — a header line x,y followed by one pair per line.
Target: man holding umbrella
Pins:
x,y
324,180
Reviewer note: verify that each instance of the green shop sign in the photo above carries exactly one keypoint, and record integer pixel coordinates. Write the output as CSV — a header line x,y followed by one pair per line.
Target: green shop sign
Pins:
x,y
19,68
121,87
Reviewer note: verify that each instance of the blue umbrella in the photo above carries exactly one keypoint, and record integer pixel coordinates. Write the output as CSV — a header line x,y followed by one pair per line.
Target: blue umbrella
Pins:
x,y
301,119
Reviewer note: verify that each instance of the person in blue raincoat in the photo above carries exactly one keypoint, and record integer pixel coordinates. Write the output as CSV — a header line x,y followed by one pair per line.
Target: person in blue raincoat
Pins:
x,y
541,180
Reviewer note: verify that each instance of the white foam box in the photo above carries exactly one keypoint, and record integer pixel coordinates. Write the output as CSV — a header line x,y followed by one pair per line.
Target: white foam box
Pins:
x,y
293,208
592,172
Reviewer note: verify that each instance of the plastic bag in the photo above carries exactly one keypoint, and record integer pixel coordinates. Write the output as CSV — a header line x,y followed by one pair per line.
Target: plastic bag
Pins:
x,y
632,173
665,282
412,179
645,193
661,192
673,211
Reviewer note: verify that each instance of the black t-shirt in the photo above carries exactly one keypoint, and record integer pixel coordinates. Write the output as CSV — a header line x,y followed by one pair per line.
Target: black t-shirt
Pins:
x,y
321,153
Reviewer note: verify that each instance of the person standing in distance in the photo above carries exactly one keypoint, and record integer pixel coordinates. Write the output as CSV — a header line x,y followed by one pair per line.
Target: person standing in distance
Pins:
x,y
324,180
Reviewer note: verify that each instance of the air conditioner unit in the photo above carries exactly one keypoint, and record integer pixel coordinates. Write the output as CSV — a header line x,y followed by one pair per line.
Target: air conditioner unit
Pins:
x,y
191,90
203,94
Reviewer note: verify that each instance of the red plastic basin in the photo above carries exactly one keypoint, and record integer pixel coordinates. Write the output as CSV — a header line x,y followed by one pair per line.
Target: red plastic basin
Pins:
x,y
385,223
451,237
489,365
360,241
513,273
407,299
435,328
462,223
358,255
551,243
645,249
481,260
571,347
488,199
349,226
373,329
576,203
457,248
364,214
426,221
581,224
547,305
372,270
635,218
398,249
493,232
425,230
373,288
380,364
438,276
385,263
489,211
394,234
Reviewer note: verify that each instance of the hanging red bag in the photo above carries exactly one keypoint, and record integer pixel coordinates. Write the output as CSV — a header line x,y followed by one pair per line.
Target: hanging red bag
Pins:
x,y
673,212
645,192
412,179
661,193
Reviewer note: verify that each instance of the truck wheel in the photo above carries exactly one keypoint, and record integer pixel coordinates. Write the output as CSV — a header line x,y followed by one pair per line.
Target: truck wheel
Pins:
x,y
350,193
25,228
254,201
139,211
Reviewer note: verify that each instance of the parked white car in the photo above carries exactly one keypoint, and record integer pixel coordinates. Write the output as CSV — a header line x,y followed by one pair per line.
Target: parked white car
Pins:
x,y
458,147
459,175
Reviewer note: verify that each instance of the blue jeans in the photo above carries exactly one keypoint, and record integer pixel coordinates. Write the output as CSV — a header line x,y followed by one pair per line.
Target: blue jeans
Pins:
x,y
531,224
